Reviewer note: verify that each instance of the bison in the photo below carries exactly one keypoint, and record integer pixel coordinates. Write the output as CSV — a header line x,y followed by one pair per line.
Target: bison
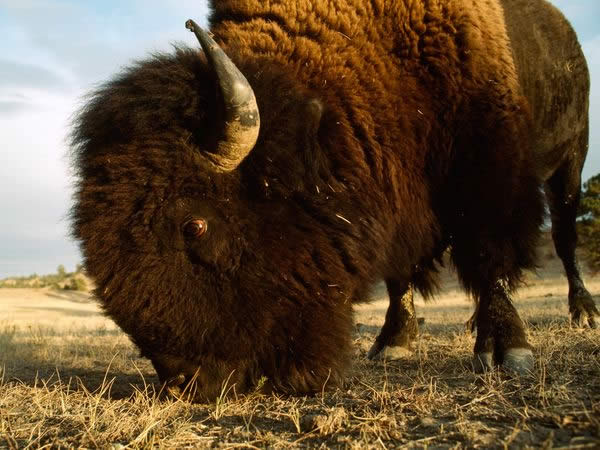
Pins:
x,y
554,79
233,204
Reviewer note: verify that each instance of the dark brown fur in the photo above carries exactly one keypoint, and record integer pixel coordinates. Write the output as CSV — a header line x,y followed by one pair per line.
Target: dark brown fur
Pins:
x,y
422,142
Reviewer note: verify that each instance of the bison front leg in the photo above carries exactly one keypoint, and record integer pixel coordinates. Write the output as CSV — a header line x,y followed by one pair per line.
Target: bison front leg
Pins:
x,y
493,210
400,327
501,336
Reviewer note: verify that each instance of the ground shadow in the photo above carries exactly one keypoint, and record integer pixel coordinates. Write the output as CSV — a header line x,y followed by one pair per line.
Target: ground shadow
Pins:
x,y
71,296
45,360
116,384
545,322
65,312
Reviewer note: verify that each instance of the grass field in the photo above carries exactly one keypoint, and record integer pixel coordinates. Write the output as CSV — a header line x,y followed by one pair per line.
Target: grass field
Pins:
x,y
70,378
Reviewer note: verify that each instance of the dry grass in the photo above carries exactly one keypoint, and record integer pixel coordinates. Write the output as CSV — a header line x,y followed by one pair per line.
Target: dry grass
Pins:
x,y
80,383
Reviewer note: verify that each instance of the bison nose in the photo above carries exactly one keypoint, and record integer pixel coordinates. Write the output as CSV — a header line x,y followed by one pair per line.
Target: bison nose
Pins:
x,y
175,381
175,385
174,373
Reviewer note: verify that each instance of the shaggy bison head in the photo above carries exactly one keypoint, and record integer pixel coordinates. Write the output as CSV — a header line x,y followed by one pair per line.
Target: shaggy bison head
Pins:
x,y
208,231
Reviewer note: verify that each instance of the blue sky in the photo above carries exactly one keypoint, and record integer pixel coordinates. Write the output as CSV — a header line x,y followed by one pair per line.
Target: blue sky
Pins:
x,y
54,51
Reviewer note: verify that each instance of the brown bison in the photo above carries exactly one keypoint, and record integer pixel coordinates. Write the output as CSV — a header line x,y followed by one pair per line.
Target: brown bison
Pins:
x,y
233,204
554,78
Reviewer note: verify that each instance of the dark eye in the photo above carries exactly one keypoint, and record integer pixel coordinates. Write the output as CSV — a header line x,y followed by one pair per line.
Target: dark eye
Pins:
x,y
195,228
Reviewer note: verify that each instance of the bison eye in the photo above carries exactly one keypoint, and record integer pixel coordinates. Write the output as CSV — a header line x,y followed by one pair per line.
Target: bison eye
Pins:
x,y
195,228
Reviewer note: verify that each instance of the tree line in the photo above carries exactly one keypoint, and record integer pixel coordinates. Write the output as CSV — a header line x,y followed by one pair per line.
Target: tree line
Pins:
x,y
588,222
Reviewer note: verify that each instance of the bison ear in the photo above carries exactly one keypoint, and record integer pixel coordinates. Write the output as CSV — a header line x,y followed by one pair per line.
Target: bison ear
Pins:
x,y
314,113
315,163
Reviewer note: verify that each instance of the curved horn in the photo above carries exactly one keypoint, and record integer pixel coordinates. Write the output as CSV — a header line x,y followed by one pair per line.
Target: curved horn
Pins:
x,y
242,120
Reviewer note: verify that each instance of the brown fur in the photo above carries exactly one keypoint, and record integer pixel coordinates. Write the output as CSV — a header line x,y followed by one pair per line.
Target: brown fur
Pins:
x,y
423,142
553,77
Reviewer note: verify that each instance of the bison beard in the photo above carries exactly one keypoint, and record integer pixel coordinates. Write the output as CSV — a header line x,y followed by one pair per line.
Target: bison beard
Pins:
x,y
386,134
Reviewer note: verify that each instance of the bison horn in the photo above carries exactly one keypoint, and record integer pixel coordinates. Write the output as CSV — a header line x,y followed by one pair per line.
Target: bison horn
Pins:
x,y
242,120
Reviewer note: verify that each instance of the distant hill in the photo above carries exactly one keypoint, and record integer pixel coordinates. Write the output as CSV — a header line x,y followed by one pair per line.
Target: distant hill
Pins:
x,y
75,281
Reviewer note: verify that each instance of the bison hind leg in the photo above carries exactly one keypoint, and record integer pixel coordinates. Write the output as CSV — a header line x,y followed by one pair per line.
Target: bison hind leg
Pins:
x,y
563,190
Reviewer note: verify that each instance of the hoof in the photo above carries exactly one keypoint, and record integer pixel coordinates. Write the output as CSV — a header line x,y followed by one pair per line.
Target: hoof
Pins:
x,y
581,319
482,362
395,353
583,309
388,353
374,350
519,360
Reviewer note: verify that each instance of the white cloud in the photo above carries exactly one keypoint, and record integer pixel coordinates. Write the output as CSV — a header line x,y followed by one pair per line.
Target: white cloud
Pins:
x,y
15,74
34,166
88,41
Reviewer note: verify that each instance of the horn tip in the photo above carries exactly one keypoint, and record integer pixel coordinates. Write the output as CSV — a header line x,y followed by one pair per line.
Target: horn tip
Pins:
x,y
191,25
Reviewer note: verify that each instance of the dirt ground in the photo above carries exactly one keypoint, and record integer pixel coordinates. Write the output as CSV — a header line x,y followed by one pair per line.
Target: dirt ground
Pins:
x,y
70,378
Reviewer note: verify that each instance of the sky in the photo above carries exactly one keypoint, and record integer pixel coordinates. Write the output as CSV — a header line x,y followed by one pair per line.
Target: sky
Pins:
x,y
53,52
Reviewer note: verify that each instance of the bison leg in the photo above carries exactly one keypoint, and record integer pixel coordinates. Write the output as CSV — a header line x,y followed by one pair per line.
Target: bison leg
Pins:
x,y
500,334
563,192
493,210
400,327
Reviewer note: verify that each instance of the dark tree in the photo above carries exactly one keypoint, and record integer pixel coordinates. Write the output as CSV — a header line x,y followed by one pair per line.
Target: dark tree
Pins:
x,y
589,222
